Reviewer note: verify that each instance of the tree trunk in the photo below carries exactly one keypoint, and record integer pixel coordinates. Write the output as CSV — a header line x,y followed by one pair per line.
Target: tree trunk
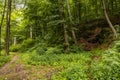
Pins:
x,y
14,40
31,34
65,28
3,14
78,10
108,20
8,15
70,17
86,10
66,38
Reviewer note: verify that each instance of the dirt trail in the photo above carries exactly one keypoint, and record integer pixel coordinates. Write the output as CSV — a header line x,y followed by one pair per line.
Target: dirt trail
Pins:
x,y
16,70
13,70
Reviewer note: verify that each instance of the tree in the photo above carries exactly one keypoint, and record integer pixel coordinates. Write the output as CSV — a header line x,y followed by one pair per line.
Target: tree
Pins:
x,y
3,14
7,38
108,20
65,28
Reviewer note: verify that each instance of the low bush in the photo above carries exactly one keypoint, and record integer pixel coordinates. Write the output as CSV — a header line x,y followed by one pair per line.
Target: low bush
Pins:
x,y
15,48
24,46
54,50
76,49
116,46
76,72
108,68
41,48
4,59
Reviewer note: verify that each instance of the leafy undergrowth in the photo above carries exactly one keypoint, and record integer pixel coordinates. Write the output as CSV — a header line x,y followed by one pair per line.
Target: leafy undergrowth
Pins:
x,y
93,65
79,66
82,65
4,60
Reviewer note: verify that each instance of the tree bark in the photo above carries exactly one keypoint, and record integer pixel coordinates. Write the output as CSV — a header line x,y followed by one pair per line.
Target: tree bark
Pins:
x,y
78,8
3,14
86,10
65,28
70,17
14,40
108,20
8,15
31,33
66,38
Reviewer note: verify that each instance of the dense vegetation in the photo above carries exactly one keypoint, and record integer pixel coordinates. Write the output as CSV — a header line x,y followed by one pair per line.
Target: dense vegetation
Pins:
x,y
60,39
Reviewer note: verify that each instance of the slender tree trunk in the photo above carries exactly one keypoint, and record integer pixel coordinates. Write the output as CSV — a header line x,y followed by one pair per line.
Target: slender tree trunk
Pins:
x,y
86,10
66,38
70,17
108,20
112,7
65,28
31,34
14,40
78,10
3,14
8,15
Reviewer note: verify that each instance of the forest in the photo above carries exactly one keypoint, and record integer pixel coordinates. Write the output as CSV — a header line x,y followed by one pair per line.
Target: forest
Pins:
x,y
59,39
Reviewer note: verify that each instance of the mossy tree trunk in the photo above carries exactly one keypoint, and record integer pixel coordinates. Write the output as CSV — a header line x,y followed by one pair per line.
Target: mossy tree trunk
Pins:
x,y
71,22
108,20
2,19
7,38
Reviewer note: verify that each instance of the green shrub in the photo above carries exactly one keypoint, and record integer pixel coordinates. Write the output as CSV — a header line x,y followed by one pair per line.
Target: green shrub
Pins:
x,y
41,48
4,59
76,72
108,68
116,46
54,50
75,49
15,48
28,42
46,59
24,46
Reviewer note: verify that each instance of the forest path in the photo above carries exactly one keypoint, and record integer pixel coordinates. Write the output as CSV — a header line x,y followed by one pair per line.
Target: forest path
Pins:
x,y
13,70
16,70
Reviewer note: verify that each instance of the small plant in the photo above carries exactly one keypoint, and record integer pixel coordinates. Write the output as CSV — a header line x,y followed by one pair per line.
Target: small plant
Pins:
x,y
54,50
25,45
4,59
108,68
75,49
15,48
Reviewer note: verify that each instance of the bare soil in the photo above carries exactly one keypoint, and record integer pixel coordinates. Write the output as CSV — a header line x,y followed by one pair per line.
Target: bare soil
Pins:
x,y
16,70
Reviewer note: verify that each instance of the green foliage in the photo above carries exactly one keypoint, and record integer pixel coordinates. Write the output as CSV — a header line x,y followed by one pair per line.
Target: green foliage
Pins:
x,y
24,46
80,66
41,48
54,50
73,65
108,68
56,59
4,59
15,48
76,72
27,44
76,49
118,46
